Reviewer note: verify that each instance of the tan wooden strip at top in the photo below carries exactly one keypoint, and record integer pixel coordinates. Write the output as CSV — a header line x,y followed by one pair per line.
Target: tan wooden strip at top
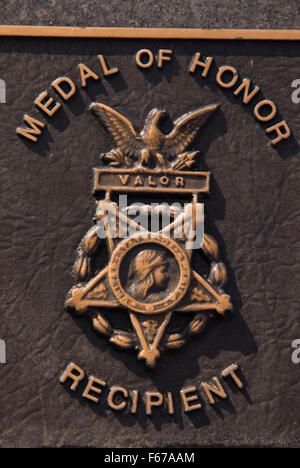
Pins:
x,y
151,33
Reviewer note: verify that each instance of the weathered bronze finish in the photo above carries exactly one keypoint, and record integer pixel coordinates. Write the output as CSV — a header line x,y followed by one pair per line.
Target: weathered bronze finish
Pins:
x,y
119,398
149,273
151,142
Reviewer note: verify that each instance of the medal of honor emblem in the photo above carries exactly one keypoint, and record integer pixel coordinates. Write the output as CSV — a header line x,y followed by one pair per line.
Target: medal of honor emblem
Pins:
x,y
149,273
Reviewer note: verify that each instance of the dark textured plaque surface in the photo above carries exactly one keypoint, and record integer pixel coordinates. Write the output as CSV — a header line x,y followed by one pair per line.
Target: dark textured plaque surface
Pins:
x,y
47,205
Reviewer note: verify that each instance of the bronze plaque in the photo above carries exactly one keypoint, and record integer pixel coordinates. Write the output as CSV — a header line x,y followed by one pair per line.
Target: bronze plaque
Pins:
x,y
149,230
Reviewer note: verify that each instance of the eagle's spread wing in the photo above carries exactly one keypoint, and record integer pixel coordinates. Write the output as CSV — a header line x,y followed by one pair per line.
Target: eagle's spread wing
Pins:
x,y
186,128
119,128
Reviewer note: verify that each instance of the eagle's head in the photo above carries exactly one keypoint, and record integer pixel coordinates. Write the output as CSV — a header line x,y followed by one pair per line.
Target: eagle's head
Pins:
x,y
153,120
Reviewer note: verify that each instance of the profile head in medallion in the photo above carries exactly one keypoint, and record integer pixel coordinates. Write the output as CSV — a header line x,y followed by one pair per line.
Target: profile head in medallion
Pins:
x,y
148,273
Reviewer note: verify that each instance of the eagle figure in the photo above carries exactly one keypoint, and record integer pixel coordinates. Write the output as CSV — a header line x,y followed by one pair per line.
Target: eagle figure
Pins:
x,y
151,142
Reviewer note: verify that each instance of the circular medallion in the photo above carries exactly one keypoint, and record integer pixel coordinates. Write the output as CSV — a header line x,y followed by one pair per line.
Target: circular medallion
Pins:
x,y
149,275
